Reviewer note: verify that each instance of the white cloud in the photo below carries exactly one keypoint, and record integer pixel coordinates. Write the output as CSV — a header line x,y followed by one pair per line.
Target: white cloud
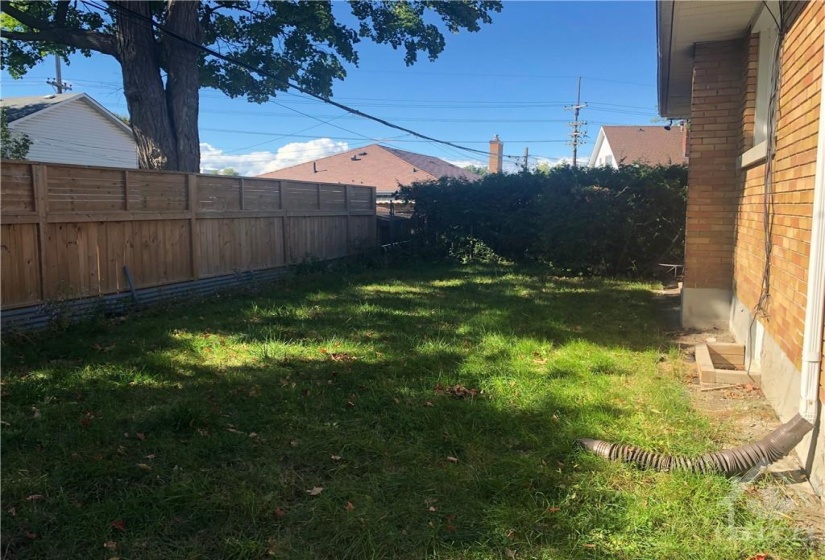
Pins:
x,y
256,163
554,162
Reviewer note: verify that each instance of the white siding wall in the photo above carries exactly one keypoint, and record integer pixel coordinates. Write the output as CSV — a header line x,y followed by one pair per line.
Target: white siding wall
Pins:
x,y
76,133
602,156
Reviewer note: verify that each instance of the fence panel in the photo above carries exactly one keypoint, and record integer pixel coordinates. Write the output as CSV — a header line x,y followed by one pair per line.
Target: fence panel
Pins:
x,y
68,231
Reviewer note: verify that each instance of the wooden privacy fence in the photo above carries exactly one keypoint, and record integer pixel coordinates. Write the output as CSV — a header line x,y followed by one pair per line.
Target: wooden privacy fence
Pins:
x,y
68,231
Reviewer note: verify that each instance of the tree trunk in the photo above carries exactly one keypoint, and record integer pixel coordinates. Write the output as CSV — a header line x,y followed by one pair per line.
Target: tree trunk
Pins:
x,y
143,87
183,81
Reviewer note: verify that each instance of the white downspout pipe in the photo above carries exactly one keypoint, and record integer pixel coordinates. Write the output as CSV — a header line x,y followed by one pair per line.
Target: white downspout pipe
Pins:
x,y
815,302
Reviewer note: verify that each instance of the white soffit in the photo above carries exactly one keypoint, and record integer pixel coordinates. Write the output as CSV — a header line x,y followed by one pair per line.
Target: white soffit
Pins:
x,y
680,25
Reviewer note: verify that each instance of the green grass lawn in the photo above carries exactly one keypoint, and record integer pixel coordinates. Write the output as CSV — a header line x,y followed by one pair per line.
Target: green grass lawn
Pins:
x,y
413,413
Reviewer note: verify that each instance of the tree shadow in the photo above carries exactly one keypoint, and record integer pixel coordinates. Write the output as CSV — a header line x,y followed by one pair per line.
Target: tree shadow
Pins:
x,y
140,422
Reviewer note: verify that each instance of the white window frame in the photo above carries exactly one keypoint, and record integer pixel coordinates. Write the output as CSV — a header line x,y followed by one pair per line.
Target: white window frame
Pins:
x,y
765,26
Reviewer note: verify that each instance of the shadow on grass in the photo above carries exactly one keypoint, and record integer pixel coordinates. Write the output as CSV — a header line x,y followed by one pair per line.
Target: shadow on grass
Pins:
x,y
421,408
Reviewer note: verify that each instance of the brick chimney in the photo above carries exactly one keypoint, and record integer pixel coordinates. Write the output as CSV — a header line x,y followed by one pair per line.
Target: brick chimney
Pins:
x,y
496,155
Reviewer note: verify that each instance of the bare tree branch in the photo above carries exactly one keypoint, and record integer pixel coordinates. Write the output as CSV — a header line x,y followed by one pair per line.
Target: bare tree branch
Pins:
x,y
60,13
24,17
91,40
78,38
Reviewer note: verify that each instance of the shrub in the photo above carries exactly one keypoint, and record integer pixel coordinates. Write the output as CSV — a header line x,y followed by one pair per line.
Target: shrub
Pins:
x,y
581,220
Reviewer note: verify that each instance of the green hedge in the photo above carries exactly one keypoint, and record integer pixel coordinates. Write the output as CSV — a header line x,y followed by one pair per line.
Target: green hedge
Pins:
x,y
581,220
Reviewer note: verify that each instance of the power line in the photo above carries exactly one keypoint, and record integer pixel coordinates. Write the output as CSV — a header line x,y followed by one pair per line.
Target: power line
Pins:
x,y
287,83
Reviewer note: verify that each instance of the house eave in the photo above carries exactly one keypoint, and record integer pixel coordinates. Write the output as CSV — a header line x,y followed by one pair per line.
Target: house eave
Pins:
x,y
679,26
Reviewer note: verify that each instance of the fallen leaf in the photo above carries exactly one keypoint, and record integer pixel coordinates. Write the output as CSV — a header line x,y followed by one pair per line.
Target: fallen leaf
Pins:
x,y
335,457
552,509
293,443
35,412
12,511
509,553
589,545
316,491
271,546
31,535
350,404
253,435
141,436
111,545
429,403
144,467
452,459
279,513
150,456
432,509
349,506
120,525
34,497
341,356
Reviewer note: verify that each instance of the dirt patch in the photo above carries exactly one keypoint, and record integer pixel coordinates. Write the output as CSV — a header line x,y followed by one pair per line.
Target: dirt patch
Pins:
x,y
743,415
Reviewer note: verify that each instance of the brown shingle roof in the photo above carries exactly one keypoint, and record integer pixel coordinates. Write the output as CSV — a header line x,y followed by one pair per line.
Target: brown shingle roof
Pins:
x,y
375,166
646,144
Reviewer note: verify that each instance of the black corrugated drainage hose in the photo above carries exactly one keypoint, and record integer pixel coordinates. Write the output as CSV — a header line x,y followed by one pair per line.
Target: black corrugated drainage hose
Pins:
x,y
730,462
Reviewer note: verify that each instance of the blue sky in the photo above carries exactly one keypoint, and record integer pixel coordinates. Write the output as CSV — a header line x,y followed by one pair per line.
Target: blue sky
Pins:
x,y
513,78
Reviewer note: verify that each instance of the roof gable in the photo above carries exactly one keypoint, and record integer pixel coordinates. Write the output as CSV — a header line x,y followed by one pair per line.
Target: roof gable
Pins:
x,y
20,109
645,144
375,166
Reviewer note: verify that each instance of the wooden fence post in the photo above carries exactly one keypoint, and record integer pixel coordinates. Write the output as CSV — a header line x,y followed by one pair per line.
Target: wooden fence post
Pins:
x,y
40,184
242,202
348,202
284,226
126,190
194,233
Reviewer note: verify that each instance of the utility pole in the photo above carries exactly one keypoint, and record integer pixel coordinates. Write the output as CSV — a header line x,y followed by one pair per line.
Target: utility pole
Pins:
x,y
577,135
526,155
58,83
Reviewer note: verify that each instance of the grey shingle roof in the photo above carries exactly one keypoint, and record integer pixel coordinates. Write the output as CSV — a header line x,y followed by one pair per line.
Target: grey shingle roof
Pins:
x,y
19,107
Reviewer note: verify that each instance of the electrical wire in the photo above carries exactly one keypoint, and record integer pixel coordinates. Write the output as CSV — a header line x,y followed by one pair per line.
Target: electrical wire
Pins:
x,y
287,83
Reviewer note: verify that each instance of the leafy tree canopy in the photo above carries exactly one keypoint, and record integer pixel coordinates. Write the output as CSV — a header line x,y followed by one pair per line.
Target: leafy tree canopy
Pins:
x,y
12,146
300,41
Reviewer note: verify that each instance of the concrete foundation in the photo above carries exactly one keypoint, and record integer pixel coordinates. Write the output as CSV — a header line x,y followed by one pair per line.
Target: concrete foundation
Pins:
x,y
706,308
780,383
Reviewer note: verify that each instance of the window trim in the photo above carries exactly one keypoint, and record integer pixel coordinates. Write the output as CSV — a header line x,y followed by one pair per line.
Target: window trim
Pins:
x,y
765,26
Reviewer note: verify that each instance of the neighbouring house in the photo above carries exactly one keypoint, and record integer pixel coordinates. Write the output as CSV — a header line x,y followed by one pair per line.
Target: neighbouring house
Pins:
x,y
651,145
749,75
71,128
376,166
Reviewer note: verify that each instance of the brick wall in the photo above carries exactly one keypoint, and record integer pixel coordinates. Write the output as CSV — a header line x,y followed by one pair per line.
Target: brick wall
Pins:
x,y
715,132
793,178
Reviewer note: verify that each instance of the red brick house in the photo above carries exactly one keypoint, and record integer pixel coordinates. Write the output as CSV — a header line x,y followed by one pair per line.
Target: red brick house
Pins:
x,y
748,75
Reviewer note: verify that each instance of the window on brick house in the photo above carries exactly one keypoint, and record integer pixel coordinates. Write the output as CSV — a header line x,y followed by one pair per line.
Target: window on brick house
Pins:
x,y
766,28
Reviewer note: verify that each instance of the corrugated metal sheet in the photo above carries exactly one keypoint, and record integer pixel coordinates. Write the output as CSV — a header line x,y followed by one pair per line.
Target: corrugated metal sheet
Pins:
x,y
41,316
